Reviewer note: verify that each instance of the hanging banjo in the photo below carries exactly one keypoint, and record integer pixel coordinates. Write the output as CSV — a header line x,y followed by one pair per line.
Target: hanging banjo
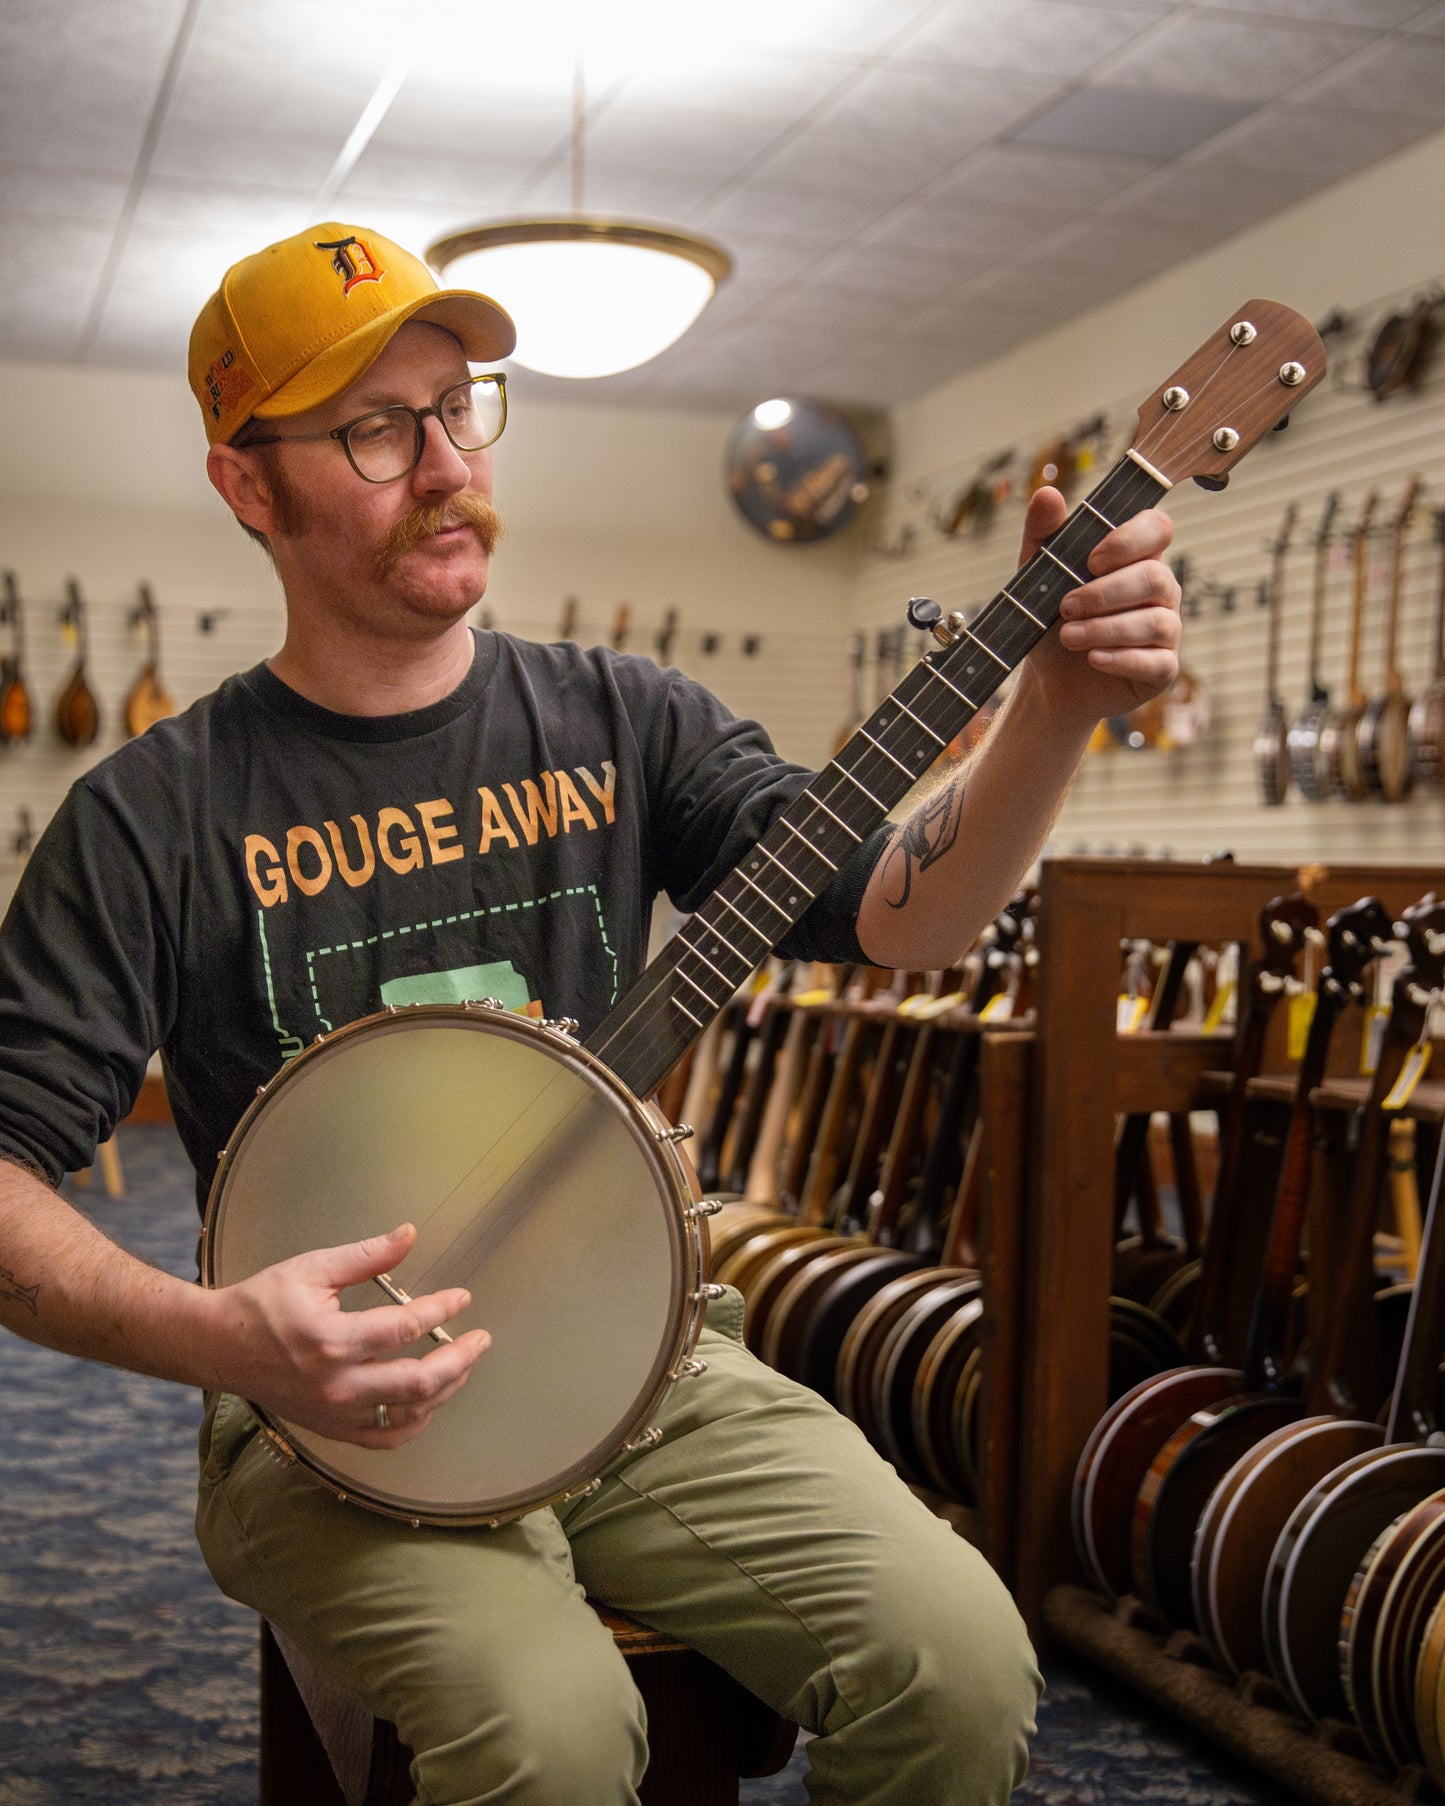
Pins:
x,y
535,1175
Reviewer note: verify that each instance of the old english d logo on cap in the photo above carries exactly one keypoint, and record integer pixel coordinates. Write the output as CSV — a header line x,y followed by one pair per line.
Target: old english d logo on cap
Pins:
x,y
352,260
296,323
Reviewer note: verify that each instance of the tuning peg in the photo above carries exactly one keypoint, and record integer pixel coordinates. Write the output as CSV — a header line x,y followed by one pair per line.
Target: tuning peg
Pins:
x,y
923,613
1213,483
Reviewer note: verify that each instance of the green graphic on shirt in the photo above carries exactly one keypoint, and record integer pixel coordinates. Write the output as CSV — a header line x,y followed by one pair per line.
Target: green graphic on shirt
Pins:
x,y
291,1045
467,984
508,973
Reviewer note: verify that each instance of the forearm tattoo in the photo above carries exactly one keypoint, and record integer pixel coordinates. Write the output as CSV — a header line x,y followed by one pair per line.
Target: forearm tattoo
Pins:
x,y
11,1291
924,838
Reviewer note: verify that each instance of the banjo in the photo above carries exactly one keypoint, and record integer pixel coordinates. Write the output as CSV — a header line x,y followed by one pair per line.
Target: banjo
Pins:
x,y
536,1175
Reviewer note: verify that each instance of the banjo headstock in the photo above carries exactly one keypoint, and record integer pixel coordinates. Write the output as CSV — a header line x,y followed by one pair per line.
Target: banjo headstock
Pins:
x,y
1220,402
1354,936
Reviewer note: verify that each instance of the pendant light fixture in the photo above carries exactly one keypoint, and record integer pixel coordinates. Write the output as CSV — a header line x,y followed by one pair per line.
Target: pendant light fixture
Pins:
x,y
590,295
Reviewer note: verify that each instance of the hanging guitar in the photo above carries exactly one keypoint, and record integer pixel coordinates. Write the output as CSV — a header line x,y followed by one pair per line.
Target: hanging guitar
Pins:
x,y
536,1175
149,700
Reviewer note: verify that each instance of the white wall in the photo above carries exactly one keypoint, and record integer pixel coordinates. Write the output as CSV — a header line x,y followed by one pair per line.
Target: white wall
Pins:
x,y
1363,245
102,478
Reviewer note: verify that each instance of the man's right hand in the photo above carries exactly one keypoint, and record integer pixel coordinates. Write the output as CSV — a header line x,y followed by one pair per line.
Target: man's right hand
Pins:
x,y
287,1345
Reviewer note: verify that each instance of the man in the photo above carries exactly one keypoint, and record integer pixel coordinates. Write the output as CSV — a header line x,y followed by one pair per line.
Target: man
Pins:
x,y
396,809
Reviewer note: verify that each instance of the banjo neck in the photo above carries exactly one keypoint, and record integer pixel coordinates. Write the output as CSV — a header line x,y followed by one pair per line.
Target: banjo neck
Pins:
x,y
1200,422
701,968
1317,691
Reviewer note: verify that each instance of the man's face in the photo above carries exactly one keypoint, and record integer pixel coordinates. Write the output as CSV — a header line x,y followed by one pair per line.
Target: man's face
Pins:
x,y
417,548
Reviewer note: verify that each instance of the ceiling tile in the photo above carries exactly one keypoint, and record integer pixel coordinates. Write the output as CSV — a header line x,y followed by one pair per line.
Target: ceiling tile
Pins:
x,y
747,83
1382,15
1063,285
963,230
1027,37
1432,22
246,216
762,257
77,82
473,187
781,207
1047,184
1142,123
903,275
1231,59
1331,141
1210,199
71,194
457,120
232,153
647,139
1393,75
50,276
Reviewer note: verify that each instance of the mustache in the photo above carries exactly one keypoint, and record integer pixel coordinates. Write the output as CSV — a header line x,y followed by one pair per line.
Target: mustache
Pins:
x,y
473,511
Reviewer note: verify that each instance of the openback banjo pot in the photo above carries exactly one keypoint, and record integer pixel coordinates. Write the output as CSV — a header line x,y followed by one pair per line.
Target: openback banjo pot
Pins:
x,y
534,1174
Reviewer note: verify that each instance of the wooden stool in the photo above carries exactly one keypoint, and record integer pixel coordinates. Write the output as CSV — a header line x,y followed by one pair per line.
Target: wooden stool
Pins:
x,y
320,1746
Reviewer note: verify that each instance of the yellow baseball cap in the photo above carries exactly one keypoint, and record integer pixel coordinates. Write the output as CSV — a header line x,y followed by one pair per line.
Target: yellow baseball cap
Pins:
x,y
298,322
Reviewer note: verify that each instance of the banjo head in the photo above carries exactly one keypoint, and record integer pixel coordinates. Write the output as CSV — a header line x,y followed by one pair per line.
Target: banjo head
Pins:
x,y
537,1181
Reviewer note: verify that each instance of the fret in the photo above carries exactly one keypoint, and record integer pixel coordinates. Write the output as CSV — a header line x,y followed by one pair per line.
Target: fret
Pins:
x,y
697,953
886,754
746,920
685,1010
793,829
1002,663
1009,596
818,803
843,772
774,860
1086,503
718,935
1062,566
763,894
899,702
934,672
702,992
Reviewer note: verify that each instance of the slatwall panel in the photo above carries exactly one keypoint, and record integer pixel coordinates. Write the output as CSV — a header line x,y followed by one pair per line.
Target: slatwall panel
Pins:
x,y
792,683
1195,800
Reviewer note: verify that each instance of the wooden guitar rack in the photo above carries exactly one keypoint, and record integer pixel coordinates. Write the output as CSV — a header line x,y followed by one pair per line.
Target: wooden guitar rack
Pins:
x,y
1048,1233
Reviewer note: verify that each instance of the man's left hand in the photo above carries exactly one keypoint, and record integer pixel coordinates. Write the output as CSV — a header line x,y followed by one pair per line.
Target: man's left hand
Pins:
x,y
1118,644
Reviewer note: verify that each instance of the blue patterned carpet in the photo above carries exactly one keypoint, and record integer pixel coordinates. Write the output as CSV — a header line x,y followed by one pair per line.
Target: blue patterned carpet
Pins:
x,y
127,1680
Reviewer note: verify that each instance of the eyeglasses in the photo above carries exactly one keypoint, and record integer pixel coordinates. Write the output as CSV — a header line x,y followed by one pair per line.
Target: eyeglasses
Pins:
x,y
387,445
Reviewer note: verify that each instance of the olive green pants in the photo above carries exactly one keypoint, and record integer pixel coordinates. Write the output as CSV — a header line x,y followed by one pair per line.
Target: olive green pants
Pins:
x,y
763,1530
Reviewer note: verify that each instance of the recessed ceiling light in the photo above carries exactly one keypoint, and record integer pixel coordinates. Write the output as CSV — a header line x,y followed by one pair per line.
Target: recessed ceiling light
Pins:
x,y
1130,122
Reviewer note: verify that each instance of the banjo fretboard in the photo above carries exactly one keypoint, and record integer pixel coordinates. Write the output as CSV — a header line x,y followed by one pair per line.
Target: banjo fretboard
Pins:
x,y
700,969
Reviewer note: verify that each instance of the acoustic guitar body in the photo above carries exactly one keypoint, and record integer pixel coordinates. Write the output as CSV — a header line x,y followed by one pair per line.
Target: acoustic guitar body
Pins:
x,y
1243,1521
1177,1488
1118,1456
1316,1558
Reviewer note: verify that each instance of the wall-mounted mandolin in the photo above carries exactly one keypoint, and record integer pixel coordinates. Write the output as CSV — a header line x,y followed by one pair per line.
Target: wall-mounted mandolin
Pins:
x,y
77,712
149,700
16,715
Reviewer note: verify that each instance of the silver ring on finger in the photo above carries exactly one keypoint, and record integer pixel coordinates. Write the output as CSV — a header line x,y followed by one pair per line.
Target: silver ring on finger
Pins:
x,y
382,1417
